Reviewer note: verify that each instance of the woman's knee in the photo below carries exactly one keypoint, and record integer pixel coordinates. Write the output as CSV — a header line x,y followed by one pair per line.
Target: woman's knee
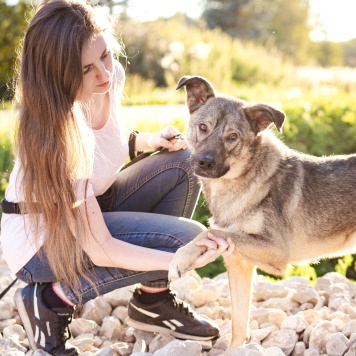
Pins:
x,y
192,230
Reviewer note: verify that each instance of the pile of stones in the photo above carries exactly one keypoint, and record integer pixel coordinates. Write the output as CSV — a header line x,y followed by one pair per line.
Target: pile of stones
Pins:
x,y
289,317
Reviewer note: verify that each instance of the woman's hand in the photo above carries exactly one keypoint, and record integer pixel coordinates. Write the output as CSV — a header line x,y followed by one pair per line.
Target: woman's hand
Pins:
x,y
164,139
216,246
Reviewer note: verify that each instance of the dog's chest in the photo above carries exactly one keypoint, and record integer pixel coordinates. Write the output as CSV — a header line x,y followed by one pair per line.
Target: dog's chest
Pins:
x,y
233,208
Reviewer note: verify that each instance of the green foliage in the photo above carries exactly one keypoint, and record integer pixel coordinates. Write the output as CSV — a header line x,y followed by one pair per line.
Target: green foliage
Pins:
x,y
12,27
159,53
344,264
306,271
321,126
6,163
280,24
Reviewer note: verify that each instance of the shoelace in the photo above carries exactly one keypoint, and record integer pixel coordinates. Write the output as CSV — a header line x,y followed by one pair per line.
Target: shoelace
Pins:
x,y
63,330
179,305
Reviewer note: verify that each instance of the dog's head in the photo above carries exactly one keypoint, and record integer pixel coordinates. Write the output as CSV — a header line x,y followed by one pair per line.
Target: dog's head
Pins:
x,y
223,130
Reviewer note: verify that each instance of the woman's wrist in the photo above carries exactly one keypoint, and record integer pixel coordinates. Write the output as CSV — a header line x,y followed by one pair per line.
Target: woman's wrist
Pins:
x,y
149,141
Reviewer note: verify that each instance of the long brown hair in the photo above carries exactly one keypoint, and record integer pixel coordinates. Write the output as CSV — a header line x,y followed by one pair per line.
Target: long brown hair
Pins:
x,y
54,144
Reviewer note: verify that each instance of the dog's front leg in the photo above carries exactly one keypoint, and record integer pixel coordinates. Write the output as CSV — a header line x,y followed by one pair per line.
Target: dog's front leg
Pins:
x,y
240,274
185,257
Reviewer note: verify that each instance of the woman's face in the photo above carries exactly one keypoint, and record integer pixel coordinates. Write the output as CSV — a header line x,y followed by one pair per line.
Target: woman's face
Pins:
x,y
97,66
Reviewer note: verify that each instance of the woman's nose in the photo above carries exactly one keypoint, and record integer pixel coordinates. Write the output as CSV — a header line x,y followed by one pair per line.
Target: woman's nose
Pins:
x,y
104,72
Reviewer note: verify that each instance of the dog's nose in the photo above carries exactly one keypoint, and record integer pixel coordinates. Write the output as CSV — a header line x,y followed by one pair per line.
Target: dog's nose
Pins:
x,y
206,162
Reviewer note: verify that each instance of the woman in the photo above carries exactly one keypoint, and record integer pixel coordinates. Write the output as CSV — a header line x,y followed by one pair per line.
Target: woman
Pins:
x,y
74,226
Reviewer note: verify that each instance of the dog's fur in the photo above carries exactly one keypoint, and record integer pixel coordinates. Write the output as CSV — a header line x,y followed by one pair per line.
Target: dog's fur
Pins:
x,y
277,205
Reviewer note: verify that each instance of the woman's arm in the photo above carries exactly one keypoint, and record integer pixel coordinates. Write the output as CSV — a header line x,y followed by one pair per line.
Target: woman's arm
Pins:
x,y
106,251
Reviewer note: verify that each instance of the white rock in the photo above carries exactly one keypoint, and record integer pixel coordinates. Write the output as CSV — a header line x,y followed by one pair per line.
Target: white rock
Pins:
x,y
299,349
349,328
278,303
205,294
122,348
83,344
296,282
159,341
223,286
261,334
11,344
264,290
140,346
120,312
306,295
338,299
105,351
179,348
188,282
82,326
351,351
274,351
111,328
212,310
338,323
96,309
275,316
311,352
284,339
349,309
5,323
12,330
335,277
222,343
294,322
6,309
310,315
145,335
341,316
119,297
337,345
322,284
352,338
320,335
252,349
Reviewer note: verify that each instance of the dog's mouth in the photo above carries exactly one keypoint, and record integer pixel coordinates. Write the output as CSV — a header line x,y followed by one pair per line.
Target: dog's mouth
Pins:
x,y
208,171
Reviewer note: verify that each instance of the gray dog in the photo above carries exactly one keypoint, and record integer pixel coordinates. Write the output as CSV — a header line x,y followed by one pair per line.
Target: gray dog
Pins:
x,y
277,205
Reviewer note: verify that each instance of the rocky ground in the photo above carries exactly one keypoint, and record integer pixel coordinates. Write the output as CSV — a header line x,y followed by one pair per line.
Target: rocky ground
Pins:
x,y
288,318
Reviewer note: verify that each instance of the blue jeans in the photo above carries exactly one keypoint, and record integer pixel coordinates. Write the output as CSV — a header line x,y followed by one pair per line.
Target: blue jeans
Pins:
x,y
150,204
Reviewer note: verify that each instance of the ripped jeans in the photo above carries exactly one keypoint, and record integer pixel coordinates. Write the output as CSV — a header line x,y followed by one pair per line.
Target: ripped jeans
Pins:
x,y
150,205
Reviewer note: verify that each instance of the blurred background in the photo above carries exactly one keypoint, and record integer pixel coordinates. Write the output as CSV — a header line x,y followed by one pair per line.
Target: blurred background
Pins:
x,y
298,55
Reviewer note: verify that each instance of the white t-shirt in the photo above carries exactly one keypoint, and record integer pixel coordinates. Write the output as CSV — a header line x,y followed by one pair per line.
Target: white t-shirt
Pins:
x,y
111,151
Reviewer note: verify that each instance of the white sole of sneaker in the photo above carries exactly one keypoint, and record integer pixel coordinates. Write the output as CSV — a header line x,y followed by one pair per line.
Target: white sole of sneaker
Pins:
x,y
159,329
25,319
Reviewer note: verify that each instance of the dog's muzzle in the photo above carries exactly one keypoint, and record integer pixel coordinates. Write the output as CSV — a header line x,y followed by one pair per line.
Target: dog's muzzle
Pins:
x,y
206,166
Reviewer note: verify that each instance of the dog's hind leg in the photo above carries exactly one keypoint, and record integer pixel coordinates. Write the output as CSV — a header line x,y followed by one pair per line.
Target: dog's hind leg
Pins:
x,y
240,274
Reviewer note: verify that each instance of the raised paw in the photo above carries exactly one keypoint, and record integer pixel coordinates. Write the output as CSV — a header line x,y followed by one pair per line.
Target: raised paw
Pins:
x,y
184,260
178,266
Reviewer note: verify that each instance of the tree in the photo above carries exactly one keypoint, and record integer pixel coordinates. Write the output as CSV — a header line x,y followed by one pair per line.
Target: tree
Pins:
x,y
12,28
274,23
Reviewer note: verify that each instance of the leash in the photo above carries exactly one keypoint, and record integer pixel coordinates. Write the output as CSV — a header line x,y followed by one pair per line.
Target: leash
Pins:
x,y
3,293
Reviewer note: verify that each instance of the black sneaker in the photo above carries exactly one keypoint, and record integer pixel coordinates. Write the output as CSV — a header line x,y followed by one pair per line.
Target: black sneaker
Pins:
x,y
46,329
170,315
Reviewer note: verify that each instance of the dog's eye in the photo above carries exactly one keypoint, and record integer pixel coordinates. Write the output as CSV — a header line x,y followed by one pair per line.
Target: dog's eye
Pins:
x,y
203,127
233,136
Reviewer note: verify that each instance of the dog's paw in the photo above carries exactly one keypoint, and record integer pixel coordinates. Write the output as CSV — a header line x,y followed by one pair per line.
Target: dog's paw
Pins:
x,y
173,272
178,267
176,270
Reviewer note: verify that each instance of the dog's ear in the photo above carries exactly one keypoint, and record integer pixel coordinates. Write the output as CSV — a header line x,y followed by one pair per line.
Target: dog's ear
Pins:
x,y
198,90
260,116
